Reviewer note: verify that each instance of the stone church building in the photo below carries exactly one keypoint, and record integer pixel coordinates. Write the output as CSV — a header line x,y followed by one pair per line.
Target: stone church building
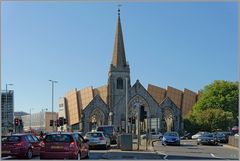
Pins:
x,y
107,105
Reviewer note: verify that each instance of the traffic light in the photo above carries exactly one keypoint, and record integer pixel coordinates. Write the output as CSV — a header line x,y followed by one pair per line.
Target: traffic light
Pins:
x,y
61,121
65,121
16,121
51,122
57,123
143,114
129,119
133,120
20,122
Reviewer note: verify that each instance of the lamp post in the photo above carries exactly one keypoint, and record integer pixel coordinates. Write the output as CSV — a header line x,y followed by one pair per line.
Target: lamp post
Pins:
x,y
52,81
7,100
30,120
42,119
137,109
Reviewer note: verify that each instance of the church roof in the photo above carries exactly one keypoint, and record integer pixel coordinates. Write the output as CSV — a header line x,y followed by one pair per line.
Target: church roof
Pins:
x,y
119,58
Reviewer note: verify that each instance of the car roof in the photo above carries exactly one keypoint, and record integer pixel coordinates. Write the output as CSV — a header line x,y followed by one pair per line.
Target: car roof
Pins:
x,y
95,132
20,134
54,133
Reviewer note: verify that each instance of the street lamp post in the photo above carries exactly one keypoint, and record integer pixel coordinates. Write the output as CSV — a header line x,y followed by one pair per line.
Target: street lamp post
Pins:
x,y
30,120
42,119
52,81
7,101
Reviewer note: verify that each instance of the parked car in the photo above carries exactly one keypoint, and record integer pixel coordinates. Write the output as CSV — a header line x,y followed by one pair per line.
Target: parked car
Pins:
x,y
208,139
221,137
20,145
64,146
171,138
109,131
97,140
197,135
152,136
187,136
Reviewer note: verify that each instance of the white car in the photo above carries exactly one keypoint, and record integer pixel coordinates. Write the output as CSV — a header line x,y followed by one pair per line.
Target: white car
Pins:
x,y
97,140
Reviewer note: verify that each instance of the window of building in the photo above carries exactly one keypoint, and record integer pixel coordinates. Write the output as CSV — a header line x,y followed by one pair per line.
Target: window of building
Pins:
x,y
119,83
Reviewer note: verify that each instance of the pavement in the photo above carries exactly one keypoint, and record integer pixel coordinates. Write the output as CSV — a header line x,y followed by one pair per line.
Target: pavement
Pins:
x,y
148,153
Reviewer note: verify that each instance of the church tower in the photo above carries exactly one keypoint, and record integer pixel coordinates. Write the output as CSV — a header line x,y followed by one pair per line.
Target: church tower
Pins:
x,y
119,74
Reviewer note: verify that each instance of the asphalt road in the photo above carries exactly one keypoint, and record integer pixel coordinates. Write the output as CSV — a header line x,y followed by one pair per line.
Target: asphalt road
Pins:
x,y
190,150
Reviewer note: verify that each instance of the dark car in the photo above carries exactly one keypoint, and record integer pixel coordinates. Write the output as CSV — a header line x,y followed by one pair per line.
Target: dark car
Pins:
x,y
171,138
207,139
222,136
64,146
110,132
20,145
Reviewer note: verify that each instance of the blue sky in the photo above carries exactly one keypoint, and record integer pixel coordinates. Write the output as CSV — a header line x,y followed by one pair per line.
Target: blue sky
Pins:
x,y
183,45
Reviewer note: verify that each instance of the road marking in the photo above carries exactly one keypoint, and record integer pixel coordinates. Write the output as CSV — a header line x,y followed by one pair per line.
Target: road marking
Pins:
x,y
160,153
4,158
215,156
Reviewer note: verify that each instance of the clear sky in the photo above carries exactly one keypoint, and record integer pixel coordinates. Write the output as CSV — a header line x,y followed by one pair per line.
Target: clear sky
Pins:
x,y
183,45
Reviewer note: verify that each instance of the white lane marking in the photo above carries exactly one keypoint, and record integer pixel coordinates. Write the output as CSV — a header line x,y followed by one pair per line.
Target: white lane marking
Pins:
x,y
214,156
161,153
8,157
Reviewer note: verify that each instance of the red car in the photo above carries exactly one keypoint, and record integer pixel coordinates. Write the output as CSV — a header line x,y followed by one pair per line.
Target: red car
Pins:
x,y
64,146
20,145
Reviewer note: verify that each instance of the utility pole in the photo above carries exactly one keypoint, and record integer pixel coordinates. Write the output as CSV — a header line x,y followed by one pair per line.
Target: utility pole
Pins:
x,y
52,81
126,105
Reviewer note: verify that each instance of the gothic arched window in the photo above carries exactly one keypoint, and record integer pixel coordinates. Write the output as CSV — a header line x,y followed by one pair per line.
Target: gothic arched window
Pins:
x,y
119,83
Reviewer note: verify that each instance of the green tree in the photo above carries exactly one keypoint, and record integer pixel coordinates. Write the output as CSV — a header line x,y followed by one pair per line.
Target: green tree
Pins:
x,y
213,119
218,95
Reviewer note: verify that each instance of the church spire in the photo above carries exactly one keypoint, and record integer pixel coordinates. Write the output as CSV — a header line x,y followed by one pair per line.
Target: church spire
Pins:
x,y
119,59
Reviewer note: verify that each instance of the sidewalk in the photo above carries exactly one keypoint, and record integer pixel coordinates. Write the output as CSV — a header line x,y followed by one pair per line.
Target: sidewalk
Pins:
x,y
142,153
230,146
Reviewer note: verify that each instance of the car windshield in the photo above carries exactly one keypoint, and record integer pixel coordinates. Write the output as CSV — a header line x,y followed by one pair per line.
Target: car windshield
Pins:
x,y
171,134
13,139
94,135
58,138
207,135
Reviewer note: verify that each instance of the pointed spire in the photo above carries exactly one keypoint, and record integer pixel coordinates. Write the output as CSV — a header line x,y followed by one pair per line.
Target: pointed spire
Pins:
x,y
119,59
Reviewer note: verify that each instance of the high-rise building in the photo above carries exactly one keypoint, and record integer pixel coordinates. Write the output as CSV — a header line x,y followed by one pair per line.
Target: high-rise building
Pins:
x,y
7,108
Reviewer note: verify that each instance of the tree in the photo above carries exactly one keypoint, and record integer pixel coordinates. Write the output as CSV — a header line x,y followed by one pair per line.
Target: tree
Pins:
x,y
218,95
213,119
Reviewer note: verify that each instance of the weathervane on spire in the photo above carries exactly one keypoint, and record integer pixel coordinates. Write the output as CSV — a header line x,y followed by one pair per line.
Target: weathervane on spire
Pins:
x,y
119,9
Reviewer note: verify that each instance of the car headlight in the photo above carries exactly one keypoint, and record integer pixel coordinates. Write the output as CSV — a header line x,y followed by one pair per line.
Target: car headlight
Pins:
x,y
164,139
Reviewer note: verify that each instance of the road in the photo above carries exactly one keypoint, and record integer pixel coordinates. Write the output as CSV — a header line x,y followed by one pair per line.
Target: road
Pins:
x,y
190,150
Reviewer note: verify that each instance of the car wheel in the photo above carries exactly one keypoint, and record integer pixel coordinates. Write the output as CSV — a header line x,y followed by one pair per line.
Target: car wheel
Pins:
x,y
29,154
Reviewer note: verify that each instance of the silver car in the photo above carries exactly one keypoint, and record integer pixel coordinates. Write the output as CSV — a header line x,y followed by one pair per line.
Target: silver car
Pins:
x,y
97,140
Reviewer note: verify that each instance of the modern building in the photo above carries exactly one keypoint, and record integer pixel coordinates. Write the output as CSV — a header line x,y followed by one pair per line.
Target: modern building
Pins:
x,y
117,103
7,108
39,121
